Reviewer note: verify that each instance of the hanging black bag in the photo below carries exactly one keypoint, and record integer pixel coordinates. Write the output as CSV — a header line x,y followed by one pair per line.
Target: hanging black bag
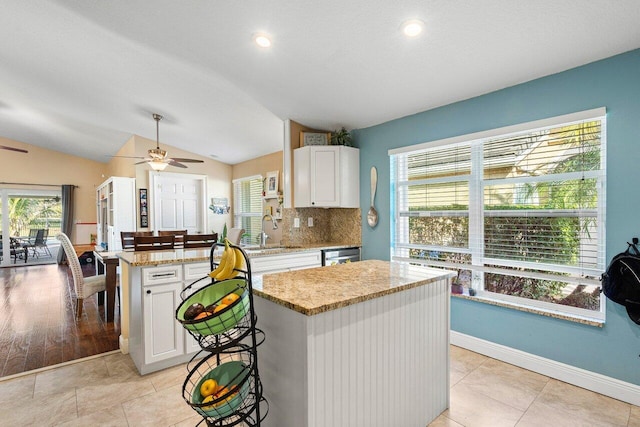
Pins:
x,y
621,281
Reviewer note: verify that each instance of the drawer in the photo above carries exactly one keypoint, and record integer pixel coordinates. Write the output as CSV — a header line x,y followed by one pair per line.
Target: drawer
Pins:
x,y
161,275
196,270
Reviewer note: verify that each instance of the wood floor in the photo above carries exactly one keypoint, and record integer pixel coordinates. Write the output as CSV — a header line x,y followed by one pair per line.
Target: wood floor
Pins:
x,y
37,323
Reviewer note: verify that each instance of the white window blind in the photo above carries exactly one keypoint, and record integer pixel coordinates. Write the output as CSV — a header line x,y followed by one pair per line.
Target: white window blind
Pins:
x,y
247,206
519,215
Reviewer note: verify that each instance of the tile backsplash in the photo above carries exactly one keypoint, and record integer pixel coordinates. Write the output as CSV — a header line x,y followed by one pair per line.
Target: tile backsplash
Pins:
x,y
334,225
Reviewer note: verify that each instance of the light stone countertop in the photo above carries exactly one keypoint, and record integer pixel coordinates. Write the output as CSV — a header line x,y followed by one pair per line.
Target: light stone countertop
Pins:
x,y
179,256
316,290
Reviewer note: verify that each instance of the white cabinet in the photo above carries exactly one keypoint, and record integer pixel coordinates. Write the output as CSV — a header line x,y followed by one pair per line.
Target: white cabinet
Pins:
x,y
163,336
156,339
116,206
285,262
326,176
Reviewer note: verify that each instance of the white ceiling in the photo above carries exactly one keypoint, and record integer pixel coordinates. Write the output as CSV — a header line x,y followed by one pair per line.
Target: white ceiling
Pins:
x,y
82,76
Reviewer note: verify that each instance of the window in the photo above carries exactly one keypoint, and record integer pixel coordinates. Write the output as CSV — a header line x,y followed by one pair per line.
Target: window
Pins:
x,y
247,207
518,212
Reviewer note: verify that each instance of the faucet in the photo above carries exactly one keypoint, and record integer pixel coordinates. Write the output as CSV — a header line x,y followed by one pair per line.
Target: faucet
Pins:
x,y
264,236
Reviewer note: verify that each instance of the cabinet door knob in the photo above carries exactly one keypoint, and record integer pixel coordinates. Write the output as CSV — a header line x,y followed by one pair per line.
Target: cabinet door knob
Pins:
x,y
148,291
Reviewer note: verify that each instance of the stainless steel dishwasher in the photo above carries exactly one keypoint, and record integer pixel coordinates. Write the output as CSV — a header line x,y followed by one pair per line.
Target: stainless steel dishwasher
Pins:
x,y
340,256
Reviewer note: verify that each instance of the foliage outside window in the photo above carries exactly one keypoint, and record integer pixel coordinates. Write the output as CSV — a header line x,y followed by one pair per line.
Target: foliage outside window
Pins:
x,y
519,214
247,207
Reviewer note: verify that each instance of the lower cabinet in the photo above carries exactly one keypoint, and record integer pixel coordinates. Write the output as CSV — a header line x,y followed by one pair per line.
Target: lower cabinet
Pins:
x,y
157,339
163,335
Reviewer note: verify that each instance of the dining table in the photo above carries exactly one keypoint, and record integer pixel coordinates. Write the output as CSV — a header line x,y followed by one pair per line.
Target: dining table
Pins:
x,y
107,263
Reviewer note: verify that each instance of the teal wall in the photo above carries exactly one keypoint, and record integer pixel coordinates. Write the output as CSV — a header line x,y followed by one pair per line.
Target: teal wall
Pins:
x,y
614,83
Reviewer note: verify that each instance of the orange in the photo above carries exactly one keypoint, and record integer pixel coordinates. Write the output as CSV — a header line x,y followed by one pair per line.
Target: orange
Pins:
x,y
222,391
202,315
208,387
219,307
230,298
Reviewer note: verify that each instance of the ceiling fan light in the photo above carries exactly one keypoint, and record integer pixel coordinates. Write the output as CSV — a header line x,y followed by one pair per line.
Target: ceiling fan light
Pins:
x,y
412,27
262,40
158,165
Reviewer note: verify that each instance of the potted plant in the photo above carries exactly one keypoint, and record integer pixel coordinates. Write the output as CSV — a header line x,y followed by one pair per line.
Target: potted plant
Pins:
x,y
341,137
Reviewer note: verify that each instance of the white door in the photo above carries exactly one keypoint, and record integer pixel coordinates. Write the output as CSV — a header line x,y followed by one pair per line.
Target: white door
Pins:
x,y
179,202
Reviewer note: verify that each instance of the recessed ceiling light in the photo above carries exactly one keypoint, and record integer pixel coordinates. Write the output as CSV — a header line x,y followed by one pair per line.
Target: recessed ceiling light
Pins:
x,y
412,27
262,40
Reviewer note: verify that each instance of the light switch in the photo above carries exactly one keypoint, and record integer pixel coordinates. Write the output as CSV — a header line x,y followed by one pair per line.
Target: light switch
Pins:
x,y
296,222
310,222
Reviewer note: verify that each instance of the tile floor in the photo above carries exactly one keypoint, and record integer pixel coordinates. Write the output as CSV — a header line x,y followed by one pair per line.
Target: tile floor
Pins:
x,y
107,391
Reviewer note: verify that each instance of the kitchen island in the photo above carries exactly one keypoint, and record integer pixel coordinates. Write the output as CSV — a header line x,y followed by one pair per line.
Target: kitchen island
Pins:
x,y
359,344
151,287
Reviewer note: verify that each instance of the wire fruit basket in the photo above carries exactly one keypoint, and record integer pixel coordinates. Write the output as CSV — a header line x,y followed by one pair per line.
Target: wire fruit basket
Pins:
x,y
225,323
231,374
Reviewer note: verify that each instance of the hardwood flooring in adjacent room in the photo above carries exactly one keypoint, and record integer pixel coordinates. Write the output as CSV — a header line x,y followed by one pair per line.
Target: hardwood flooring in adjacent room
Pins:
x,y
37,323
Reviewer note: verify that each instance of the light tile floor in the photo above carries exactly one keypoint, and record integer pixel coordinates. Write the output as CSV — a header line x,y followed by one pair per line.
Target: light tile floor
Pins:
x,y
107,391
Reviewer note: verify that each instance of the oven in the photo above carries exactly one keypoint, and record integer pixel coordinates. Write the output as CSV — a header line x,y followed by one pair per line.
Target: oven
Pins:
x,y
340,256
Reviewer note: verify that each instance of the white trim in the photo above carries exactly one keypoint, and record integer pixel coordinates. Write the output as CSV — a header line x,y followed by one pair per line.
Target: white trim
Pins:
x,y
593,381
520,127
247,178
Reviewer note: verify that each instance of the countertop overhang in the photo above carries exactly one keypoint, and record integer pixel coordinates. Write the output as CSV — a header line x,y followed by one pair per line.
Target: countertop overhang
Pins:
x,y
317,290
176,256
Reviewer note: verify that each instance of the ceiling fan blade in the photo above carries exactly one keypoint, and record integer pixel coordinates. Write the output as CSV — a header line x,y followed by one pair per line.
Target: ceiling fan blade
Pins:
x,y
19,150
173,162
130,157
187,160
144,161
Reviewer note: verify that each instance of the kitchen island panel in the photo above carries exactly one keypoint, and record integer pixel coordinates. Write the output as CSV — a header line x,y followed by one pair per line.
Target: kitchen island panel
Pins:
x,y
380,362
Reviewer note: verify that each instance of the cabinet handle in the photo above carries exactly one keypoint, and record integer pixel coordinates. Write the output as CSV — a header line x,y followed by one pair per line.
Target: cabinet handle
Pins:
x,y
160,275
148,291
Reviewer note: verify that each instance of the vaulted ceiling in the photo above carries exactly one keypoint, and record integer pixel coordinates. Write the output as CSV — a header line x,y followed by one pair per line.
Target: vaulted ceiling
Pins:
x,y
82,76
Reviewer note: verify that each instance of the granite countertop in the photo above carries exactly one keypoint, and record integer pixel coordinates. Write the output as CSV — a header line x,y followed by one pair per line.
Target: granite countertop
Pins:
x,y
316,290
175,256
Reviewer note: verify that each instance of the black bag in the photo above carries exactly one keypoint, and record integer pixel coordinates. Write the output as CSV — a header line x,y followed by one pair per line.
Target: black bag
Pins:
x,y
621,281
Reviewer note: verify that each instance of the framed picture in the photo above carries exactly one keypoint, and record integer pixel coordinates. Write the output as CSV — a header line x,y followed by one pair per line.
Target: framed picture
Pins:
x,y
314,138
271,184
144,209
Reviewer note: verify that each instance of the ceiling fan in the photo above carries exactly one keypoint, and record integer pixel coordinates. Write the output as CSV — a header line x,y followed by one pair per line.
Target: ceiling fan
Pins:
x,y
19,150
157,157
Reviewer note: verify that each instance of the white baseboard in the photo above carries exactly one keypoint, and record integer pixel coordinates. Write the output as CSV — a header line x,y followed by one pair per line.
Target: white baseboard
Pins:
x,y
599,383
124,344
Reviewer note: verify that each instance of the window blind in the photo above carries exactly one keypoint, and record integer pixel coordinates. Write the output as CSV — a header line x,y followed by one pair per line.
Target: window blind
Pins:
x,y
508,211
247,206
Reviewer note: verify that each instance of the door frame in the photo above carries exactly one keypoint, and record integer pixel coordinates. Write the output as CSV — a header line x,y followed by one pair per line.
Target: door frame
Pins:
x,y
5,194
154,209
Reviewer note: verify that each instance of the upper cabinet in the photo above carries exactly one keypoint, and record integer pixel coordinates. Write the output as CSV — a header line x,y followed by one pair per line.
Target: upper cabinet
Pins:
x,y
116,211
326,176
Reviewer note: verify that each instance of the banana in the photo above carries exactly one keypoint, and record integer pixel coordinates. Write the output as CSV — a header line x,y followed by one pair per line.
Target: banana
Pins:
x,y
229,264
239,260
223,261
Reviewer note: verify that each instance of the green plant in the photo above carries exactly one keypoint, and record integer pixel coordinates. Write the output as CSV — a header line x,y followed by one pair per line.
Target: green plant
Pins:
x,y
341,137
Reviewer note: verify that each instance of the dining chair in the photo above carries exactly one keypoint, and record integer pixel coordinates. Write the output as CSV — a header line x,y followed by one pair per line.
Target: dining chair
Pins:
x,y
153,243
200,240
84,286
235,235
126,237
178,234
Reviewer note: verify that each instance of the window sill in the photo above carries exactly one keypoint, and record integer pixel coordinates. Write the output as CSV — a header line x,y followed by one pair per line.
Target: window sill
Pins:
x,y
556,315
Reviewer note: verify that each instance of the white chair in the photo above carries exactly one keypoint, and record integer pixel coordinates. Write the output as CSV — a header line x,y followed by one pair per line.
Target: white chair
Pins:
x,y
85,286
